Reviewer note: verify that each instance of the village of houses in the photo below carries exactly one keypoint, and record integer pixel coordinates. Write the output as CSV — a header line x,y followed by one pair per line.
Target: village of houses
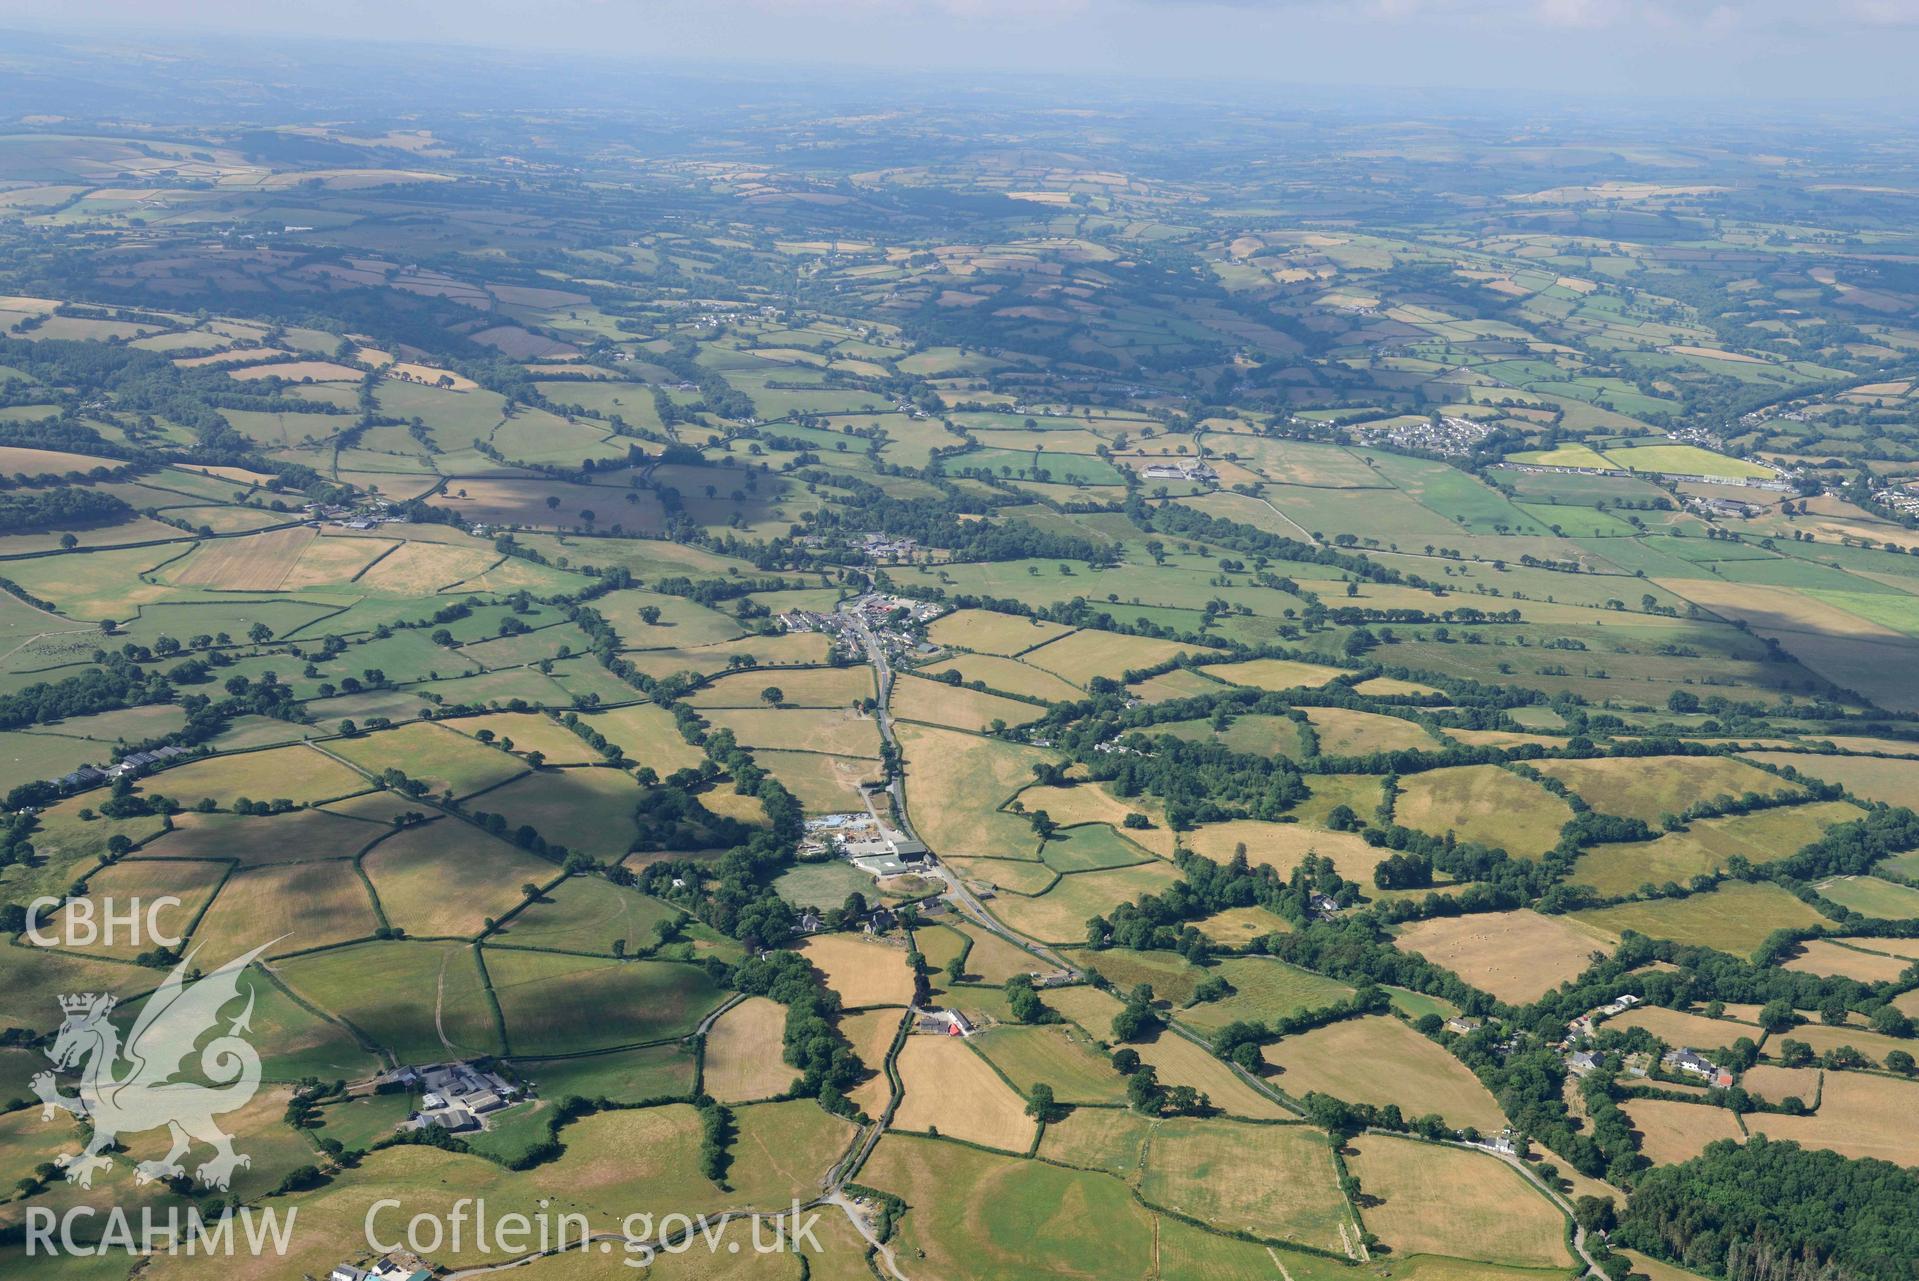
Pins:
x,y
1680,1061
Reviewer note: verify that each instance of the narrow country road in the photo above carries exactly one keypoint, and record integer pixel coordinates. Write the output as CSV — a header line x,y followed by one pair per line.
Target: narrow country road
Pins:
x,y
962,898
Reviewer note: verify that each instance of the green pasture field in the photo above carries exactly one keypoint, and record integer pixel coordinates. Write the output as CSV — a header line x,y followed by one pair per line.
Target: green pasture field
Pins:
x,y
1704,846
1685,460
415,871
588,809
524,732
1557,490
1392,516
823,784
1060,1055
977,1215
1649,787
647,735
1576,521
1269,1180
681,622
1872,896
1037,464
424,992
1574,455
517,1135
128,724
1889,609
1734,918
296,1042
555,1004
1007,676
588,914
583,679
1086,654
1416,1005
28,757
1105,1139
1470,503
190,884
823,885
1174,593
805,687
1258,734
299,774
364,1119
442,758
492,689
289,907
1180,682
618,1076
1263,990
1343,731
1088,847
557,641
1483,803
1361,793
1060,914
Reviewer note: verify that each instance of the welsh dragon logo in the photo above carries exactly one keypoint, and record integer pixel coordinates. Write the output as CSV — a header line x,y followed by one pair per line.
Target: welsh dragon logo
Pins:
x,y
138,1087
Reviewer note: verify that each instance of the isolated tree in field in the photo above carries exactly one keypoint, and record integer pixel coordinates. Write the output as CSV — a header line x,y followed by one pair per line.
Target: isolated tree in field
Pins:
x,y
1137,1020
1040,1104
552,502
259,633
1023,1001
1143,1093
773,695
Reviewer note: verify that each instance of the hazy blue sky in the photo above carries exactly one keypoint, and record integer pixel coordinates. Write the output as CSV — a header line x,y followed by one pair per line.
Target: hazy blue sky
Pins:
x,y
1764,49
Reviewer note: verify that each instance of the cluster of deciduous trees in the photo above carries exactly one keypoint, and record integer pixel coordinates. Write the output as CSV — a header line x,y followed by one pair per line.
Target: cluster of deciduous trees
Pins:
x,y
814,1046
1772,1211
